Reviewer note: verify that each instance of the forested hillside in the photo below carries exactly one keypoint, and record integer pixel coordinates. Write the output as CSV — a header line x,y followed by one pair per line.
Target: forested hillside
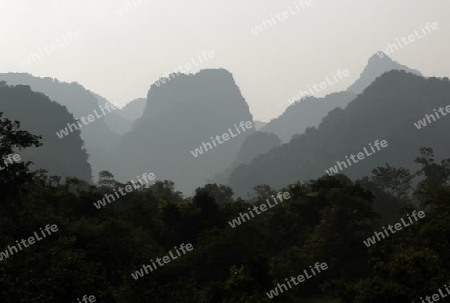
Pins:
x,y
65,157
79,102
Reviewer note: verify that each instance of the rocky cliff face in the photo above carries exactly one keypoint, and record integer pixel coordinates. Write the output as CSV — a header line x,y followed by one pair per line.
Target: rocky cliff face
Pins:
x,y
182,114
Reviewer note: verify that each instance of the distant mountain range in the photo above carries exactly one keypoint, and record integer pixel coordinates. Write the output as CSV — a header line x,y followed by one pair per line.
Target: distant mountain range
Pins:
x,y
160,133
310,111
386,110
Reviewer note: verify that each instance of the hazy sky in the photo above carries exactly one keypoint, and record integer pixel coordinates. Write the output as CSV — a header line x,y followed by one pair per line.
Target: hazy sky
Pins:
x,y
120,56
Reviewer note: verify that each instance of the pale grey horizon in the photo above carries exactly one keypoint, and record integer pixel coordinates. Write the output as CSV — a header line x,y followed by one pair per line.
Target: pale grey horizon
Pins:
x,y
120,56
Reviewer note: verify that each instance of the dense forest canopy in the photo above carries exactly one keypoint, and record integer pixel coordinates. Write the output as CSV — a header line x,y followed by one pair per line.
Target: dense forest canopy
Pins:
x,y
96,251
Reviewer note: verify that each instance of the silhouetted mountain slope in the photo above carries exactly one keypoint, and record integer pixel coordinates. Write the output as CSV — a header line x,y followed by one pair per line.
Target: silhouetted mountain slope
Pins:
x,y
376,67
387,110
80,102
259,124
308,112
180,116
254,145
134,109
115,121
39,115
